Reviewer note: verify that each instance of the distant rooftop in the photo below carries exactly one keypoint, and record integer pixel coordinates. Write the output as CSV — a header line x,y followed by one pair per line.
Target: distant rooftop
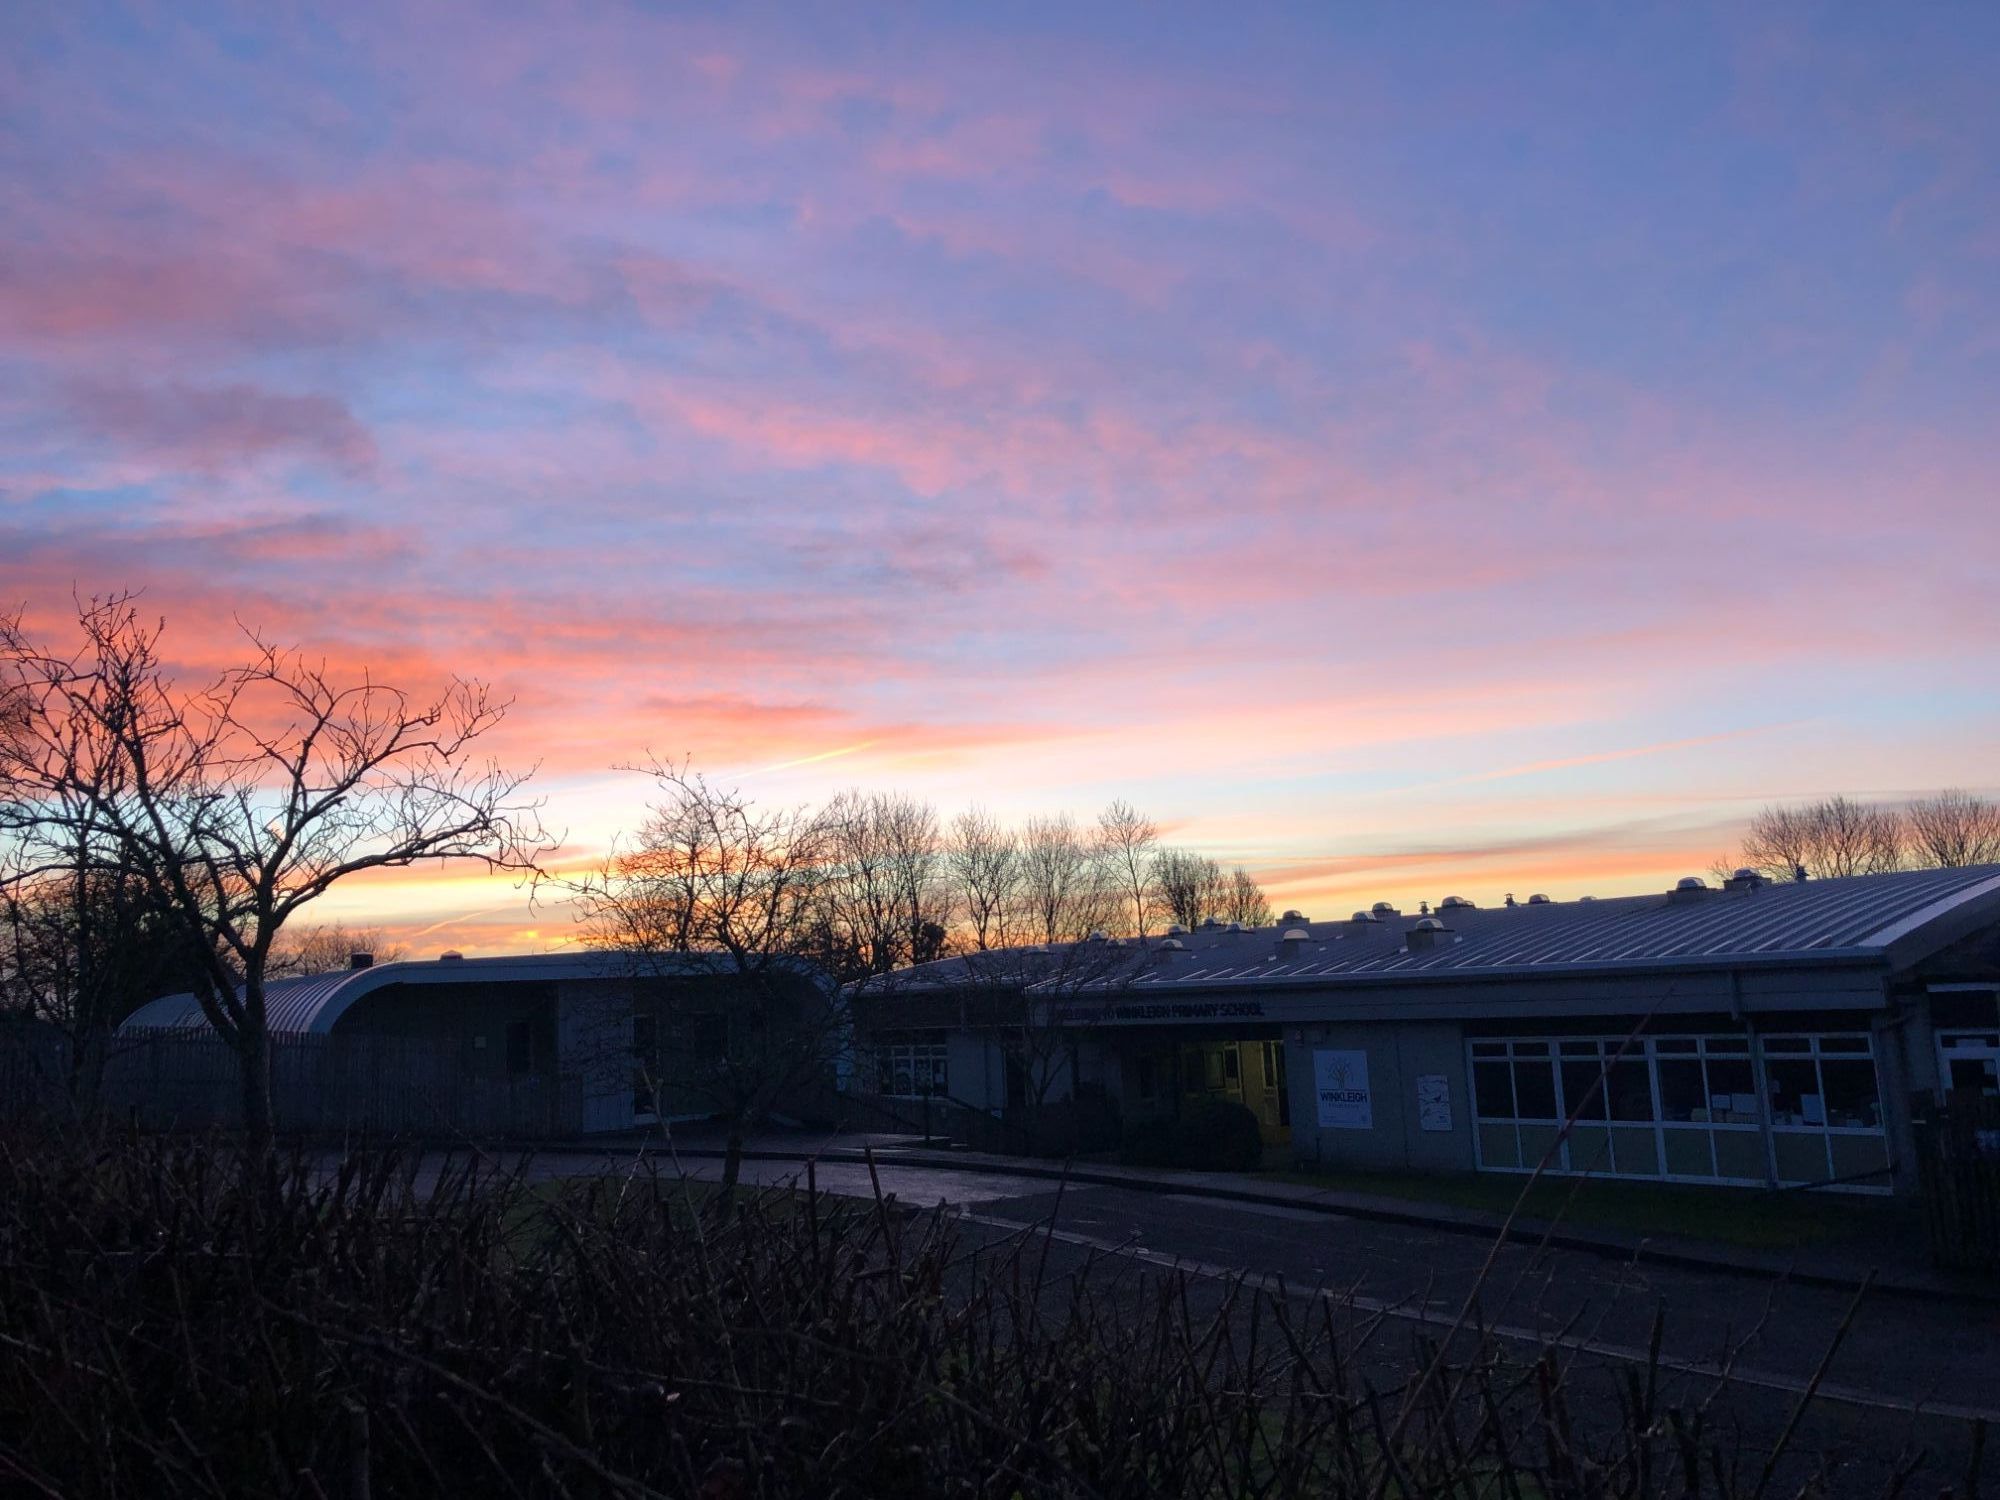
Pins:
x,y
315,1002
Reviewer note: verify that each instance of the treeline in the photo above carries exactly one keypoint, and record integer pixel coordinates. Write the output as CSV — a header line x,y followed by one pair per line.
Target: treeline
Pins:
x,y
158,836
868,883
1840,836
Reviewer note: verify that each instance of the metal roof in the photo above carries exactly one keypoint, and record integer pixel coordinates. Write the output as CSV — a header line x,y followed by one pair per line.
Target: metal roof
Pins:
x,y
1858,919
315,1003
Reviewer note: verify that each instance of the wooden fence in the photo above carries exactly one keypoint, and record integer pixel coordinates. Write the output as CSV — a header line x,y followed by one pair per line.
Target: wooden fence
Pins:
x,y
1958,1172
336,1085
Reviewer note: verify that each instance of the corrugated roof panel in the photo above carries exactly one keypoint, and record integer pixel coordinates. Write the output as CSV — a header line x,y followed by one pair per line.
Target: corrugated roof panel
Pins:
x,y
1856,916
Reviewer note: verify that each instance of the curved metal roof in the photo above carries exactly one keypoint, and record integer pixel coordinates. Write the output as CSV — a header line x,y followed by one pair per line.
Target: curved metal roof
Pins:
x,y
315,1003
1880,918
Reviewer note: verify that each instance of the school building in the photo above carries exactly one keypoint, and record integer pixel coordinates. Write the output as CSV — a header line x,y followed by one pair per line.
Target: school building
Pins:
x,y
1755,1033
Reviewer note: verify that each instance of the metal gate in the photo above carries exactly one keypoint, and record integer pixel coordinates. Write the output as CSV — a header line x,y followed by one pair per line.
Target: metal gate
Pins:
x,y
1958,1171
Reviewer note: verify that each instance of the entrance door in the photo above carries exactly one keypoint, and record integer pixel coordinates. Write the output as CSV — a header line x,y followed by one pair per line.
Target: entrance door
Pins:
x,y
1969,1062
1274,1106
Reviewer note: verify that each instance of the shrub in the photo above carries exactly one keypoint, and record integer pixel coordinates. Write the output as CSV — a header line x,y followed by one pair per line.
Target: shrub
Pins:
x,y
374,1324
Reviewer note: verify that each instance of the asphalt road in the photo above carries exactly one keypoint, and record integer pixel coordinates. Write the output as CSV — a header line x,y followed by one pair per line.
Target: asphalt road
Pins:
x,y
1906,1375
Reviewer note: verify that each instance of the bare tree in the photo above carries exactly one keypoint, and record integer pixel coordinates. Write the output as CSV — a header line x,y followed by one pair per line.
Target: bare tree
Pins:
x,y
909,840
240,803
79,950
1829,839
1778,842
329,946
1192,886
1954,828
1063,889
713,876
1245,901
983,864
1127,841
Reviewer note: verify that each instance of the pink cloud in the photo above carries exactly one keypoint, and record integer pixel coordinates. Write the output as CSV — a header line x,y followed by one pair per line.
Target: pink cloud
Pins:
x,y
210,429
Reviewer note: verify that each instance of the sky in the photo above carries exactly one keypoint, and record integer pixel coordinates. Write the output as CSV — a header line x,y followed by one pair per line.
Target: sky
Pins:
x,y
1409,450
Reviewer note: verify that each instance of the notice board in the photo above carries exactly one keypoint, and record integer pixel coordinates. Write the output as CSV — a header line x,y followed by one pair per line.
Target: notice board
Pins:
x,y
1340,1079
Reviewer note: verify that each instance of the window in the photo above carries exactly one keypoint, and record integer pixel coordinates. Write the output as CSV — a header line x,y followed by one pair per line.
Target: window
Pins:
x,y
912,1070
1823,1082
1687,1107
520,1048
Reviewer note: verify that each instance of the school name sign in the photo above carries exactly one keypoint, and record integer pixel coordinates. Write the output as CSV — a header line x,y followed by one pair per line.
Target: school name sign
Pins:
x,y
1340,1081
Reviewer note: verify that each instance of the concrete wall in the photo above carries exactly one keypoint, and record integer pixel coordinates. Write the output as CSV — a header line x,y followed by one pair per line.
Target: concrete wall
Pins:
x,y
1399,1053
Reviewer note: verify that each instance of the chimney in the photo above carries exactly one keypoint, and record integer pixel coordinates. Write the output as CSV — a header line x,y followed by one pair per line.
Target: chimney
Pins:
x,y
360,960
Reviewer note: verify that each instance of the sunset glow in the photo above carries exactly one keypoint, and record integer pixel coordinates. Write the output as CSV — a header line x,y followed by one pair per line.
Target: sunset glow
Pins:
x,y
1411,451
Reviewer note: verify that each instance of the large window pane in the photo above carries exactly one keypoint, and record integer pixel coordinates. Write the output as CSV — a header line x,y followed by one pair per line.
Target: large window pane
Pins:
x,y
1683,1093
1636,1152
1740,1154
1852,1097
1630,1086
1795,1095
1589,1148
1493,1088
1802,1156
1732,1091
1583,1097
1687,1153
1534,1089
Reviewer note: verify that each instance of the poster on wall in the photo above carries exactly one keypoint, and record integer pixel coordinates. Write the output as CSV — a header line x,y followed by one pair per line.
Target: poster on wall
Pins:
x,y
1433,1101
1341,1081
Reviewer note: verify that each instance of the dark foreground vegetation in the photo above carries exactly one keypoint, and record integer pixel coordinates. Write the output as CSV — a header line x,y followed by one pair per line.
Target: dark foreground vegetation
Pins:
x,y
168,1329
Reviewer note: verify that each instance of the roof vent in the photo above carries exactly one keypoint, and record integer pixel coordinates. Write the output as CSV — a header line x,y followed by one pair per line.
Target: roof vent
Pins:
x,y
1174,929
1745,879
451,956
1173,945
1582,899
1292,914
1366,916
360,960
1211,921
1234,927
1454,903
1538,899
1293,943
1428,933
1098,935
1385,909
1688,888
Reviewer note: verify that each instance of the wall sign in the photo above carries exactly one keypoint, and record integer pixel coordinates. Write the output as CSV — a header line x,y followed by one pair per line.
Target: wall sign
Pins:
x,y
1341,1081
1433,1101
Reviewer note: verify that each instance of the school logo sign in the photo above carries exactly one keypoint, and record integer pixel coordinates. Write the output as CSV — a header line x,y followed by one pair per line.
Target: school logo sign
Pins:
x,y
1341,1081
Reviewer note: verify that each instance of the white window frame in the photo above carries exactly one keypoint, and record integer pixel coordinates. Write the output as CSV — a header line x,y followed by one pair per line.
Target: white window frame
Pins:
x,y
1730,1046
935,1055
1981,1042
